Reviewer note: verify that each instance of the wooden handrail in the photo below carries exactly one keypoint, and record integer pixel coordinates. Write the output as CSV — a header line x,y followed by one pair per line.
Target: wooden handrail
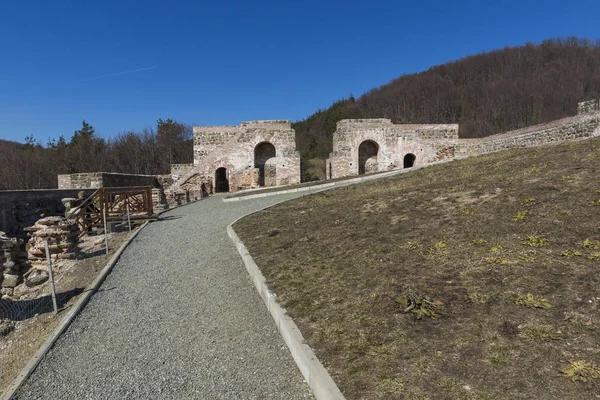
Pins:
x,y
115,201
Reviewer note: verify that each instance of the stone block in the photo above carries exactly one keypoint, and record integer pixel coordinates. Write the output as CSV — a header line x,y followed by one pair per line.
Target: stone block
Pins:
x,y
10,281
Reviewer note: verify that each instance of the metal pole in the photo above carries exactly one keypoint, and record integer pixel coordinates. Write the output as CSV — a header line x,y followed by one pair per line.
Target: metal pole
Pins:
x,y
128,217
105,230
51,277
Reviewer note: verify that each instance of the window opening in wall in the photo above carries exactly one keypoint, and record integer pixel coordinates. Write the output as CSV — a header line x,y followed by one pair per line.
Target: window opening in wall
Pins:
x,y
262,152
409,160
366,150
221,181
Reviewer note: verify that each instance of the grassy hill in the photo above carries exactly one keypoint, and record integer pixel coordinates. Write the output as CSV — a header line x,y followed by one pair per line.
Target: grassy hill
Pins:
x,y
486,93
476,279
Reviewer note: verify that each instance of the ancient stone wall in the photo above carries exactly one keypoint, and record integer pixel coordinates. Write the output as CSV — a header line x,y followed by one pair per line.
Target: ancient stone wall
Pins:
x,y
22,208
231,150
94,180
372,145
571,128
87,180
180,170
590,106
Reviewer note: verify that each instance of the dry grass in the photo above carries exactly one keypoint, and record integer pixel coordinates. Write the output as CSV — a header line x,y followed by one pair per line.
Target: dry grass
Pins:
x,y
499,252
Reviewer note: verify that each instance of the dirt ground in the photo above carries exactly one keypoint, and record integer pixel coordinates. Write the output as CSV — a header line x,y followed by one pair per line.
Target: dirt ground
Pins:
x,y
476,279
34,318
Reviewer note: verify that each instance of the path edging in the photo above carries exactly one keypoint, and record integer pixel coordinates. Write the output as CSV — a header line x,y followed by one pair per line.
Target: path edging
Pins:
x,y
64,324
345,182
317,377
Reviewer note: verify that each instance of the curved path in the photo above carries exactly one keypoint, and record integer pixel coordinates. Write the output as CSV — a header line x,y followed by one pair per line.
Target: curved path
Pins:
x,y
178,318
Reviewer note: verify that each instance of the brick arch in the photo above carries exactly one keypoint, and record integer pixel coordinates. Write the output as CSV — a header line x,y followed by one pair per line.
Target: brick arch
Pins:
x,y
409,160
211,173
221,180
366,150
263,152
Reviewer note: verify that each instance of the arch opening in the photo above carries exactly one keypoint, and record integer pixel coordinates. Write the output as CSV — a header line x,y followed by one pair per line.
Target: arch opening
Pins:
x,y
367,151
409,160
221,181
262,153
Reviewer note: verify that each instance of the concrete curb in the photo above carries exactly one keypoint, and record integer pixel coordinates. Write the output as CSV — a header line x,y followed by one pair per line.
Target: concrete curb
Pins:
x,y
64,324
346,182
317,377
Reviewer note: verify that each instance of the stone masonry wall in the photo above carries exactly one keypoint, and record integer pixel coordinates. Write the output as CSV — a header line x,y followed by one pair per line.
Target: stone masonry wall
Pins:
x,y
426,142
232,148
180,170
94,180
571,128
438,142
87,180
590,106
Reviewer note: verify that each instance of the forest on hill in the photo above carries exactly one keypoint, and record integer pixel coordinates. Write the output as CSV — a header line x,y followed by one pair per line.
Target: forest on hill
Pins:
x,y
486,93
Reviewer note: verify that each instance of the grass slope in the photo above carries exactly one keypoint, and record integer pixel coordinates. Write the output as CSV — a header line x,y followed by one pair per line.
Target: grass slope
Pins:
x,y
501,250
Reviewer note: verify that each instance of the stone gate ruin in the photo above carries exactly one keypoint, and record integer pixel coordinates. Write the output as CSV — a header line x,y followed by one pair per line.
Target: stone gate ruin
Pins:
x,y
263,153
362,146
232,158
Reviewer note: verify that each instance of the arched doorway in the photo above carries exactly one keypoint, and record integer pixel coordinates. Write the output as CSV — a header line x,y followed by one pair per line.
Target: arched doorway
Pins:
x,y
221,181
262,152
409,160
367,150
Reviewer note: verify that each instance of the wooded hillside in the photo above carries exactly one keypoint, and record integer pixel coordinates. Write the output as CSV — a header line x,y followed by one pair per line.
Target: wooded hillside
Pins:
x,y
486,93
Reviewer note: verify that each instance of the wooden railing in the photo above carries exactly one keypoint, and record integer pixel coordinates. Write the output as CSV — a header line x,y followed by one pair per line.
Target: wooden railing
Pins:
x,y
114,203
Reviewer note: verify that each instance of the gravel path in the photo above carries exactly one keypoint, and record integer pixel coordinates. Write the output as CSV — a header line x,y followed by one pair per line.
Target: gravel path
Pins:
x,y
178,318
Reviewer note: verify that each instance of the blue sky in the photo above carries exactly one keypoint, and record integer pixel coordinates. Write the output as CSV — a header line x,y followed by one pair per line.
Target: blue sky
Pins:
x,y
222,62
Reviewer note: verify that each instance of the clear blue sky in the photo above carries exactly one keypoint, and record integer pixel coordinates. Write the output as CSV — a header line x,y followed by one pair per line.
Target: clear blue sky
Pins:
x,y
222,62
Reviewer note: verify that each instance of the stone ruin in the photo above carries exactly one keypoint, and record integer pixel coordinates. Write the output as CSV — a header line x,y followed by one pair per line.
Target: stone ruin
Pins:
x,y
232,158
362,146
22,264
588,107
62,235
13,263
263,153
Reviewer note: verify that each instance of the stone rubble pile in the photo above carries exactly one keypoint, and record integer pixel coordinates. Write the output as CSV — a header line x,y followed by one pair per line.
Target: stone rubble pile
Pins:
x,y
62,235
13,263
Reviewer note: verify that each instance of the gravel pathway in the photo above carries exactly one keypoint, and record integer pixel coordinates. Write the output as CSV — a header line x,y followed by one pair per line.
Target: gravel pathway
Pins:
x,y
178,318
